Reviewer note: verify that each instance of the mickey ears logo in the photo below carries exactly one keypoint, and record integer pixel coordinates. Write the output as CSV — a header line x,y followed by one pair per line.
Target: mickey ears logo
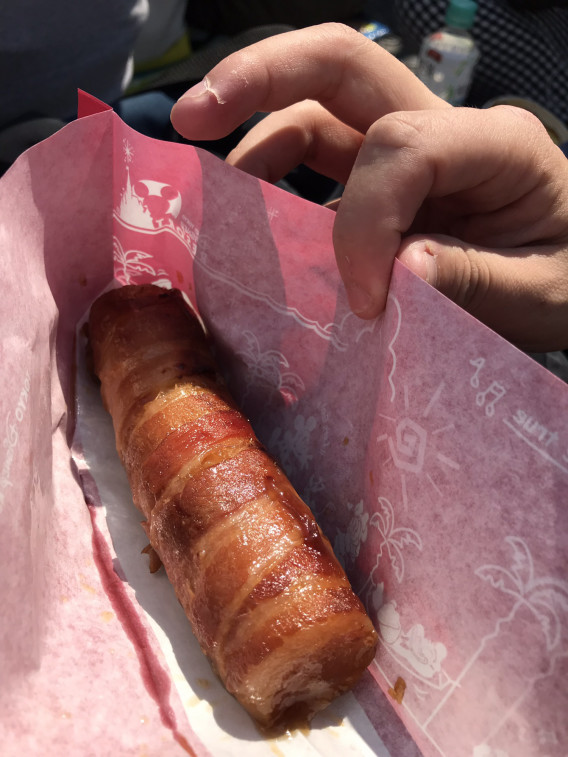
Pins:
x,y
161,202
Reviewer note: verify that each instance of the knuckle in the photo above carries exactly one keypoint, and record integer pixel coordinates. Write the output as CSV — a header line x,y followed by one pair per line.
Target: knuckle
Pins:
x,y
341,44
399,129
337,33
513,111
526,121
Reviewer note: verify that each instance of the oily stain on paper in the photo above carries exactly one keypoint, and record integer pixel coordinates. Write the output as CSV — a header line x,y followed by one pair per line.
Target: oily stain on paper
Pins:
x,y
154,676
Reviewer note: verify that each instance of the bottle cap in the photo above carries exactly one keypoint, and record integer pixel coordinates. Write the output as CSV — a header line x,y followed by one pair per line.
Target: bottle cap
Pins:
x,y
461,13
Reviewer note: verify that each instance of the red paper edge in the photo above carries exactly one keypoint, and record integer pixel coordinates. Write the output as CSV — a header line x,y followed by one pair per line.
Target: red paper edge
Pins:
x,y
88,105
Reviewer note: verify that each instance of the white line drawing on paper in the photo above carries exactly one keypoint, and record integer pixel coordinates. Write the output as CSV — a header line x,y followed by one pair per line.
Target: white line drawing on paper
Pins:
x,y
547,738
534,429
347,544
13,419
133,263
488,397
427,735
433,399
153,207
393,539
408,444
449,427
331,332
421,693
184,231
368,328
147,204
128,151
292,446
412,650
494,390
542,452
483,750
478,363
391,344
447,461
546,599
269,368
434,484
404,493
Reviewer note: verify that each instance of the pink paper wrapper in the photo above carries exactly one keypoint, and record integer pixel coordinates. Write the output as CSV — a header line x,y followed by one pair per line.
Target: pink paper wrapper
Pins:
x,y
434,454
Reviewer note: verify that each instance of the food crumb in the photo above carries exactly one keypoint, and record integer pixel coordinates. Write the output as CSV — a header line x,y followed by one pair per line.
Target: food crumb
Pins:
x,y
204,682
346,441
397,692
85,586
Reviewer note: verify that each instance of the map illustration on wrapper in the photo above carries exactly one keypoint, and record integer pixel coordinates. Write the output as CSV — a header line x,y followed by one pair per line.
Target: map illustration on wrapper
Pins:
x,y
433,454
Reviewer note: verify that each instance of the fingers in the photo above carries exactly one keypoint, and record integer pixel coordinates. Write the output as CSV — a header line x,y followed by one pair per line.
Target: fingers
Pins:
x,y
353,77
481,175
303,133
520,293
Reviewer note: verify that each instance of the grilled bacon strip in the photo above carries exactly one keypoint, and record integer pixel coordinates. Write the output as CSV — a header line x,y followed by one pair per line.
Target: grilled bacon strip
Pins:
x,y
266,598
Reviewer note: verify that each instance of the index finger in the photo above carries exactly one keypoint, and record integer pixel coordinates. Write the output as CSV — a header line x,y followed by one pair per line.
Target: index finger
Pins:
x,y
351,76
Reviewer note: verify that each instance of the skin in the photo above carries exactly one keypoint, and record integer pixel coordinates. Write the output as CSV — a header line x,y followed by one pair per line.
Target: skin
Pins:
x,y
475,202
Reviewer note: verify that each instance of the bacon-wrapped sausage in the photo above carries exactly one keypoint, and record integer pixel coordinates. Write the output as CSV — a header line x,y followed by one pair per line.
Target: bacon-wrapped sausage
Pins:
x,y
267,599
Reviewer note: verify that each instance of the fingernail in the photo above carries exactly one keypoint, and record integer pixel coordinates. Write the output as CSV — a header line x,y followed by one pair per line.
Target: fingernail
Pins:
x,y
200,90
420,258
431,267
360,301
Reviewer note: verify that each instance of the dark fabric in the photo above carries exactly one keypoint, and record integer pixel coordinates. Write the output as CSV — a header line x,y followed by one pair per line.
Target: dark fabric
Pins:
x,y
555,362
537,5
50,49
234,16
20,136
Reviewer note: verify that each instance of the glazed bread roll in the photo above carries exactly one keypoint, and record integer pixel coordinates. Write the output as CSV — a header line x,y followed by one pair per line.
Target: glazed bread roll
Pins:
x,y
267,600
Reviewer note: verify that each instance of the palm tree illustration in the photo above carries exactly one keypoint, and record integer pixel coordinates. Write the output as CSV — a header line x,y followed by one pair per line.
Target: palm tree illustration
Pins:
x,y
545,599
132,262
270,367
394,539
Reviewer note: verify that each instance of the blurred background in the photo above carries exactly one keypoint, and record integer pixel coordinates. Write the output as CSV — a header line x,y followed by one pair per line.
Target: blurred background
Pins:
x,y
141,55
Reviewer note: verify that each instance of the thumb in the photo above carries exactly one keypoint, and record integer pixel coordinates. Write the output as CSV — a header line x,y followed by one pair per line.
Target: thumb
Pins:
x,y
518,292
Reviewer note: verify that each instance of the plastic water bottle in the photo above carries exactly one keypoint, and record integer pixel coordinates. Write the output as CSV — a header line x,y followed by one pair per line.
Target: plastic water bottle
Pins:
x,y
448,57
